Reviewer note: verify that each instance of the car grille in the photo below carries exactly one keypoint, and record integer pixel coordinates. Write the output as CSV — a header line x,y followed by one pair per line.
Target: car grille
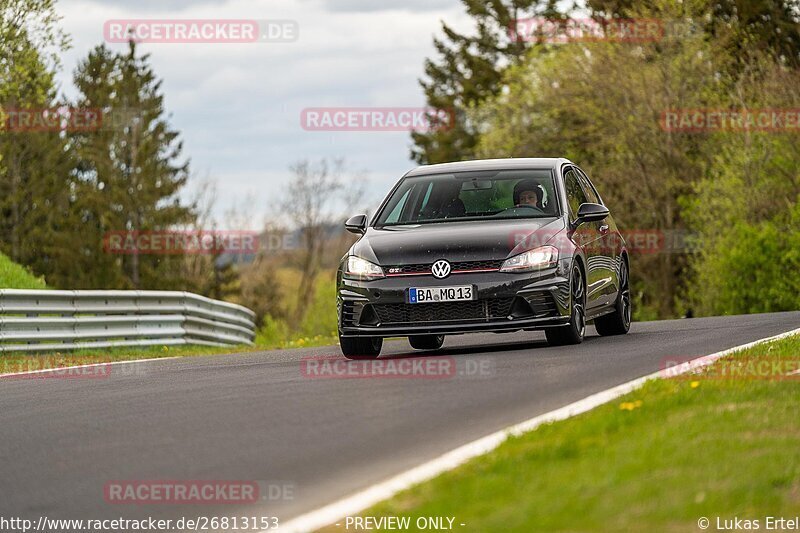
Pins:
x,y
347,311
543,305
443,312
424,269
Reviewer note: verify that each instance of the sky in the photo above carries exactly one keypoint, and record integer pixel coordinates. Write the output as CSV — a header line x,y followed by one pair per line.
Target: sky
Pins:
x,y
238,106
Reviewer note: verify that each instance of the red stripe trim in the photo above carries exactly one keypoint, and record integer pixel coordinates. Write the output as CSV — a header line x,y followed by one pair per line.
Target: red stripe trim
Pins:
x,y
453,272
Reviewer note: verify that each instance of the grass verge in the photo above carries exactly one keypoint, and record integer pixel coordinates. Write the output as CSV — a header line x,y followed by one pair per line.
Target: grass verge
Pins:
x,y
724,443
14,276
14,362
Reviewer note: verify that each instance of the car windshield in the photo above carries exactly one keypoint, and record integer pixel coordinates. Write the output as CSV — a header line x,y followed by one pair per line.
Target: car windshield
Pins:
x,y
493,194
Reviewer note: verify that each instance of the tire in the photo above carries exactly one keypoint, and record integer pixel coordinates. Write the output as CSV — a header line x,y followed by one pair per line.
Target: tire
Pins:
x,y
573,332
426,342
361,347
618,322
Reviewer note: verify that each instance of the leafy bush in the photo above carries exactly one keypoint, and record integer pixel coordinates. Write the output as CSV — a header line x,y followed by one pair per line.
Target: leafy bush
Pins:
x,y
318,326
751,268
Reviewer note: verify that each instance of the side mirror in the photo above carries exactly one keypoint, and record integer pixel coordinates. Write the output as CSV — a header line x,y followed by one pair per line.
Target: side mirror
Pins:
x,y
356,224
589,212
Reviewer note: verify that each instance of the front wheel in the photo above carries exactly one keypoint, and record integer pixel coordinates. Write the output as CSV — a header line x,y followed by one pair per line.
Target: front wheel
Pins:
x,y
361,347
618,322
426,342
573,332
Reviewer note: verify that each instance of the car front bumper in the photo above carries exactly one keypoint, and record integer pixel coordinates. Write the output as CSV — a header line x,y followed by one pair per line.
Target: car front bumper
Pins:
x,y
504,302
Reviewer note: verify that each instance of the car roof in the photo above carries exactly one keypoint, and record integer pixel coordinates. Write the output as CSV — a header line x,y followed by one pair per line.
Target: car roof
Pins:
x,y
489,164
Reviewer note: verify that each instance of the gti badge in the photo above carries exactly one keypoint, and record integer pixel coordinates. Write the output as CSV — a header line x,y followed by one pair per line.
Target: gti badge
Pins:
x,y
440,269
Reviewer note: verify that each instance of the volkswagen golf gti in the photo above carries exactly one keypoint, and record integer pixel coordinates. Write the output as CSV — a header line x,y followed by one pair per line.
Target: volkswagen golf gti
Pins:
x,y
484,246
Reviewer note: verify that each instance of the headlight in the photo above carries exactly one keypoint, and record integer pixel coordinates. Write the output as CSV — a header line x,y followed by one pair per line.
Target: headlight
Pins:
x,y
357,268
542,257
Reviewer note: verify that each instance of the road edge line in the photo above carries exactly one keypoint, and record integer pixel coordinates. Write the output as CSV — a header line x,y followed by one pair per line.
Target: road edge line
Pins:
x,y
368,497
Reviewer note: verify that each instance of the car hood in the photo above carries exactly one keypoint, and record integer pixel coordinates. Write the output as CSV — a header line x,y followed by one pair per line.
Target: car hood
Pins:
x,y
455,241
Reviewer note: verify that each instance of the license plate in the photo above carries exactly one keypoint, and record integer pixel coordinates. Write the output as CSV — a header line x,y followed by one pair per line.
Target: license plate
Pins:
x,y
420,295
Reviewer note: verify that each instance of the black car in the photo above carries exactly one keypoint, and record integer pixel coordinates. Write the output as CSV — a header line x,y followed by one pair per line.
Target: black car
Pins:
x,y
491,245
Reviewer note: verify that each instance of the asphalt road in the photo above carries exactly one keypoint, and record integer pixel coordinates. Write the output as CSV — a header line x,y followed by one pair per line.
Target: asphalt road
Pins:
x,y
259,416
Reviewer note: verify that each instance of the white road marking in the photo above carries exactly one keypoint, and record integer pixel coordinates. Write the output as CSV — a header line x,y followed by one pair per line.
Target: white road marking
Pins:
x,y
356,503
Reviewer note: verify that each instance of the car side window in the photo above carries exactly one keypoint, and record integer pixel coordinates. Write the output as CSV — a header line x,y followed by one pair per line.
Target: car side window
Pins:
x,y
591,192
575,194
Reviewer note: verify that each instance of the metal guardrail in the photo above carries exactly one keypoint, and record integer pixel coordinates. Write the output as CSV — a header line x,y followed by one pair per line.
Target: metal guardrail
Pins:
x,y
39,320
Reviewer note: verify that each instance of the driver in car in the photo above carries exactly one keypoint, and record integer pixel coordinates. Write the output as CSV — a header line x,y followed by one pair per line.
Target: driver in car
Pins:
x,y
528,193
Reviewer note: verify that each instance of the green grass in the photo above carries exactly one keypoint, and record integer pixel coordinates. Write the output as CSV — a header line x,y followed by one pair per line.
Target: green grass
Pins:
x,y
318,327
657,459
13,362
14,276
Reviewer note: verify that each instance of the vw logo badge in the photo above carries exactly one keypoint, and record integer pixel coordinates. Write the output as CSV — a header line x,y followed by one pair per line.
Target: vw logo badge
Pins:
x,y
440,269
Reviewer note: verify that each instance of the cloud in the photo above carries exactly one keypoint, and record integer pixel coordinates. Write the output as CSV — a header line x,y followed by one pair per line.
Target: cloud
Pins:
x,y
163,5
238,106
371,6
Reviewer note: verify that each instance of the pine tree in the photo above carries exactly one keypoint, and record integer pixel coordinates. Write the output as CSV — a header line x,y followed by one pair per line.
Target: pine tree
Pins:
x,y
133,165
468,70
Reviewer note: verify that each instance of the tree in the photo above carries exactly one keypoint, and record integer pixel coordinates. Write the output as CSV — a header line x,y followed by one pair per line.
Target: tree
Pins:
x,y
225,284
262,291
27,25
469,69
34,165
314,202
745,211
771,26
603,112
132,168
600,104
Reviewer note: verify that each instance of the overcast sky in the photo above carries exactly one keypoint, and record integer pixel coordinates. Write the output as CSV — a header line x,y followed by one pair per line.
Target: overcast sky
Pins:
x,y
238,105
